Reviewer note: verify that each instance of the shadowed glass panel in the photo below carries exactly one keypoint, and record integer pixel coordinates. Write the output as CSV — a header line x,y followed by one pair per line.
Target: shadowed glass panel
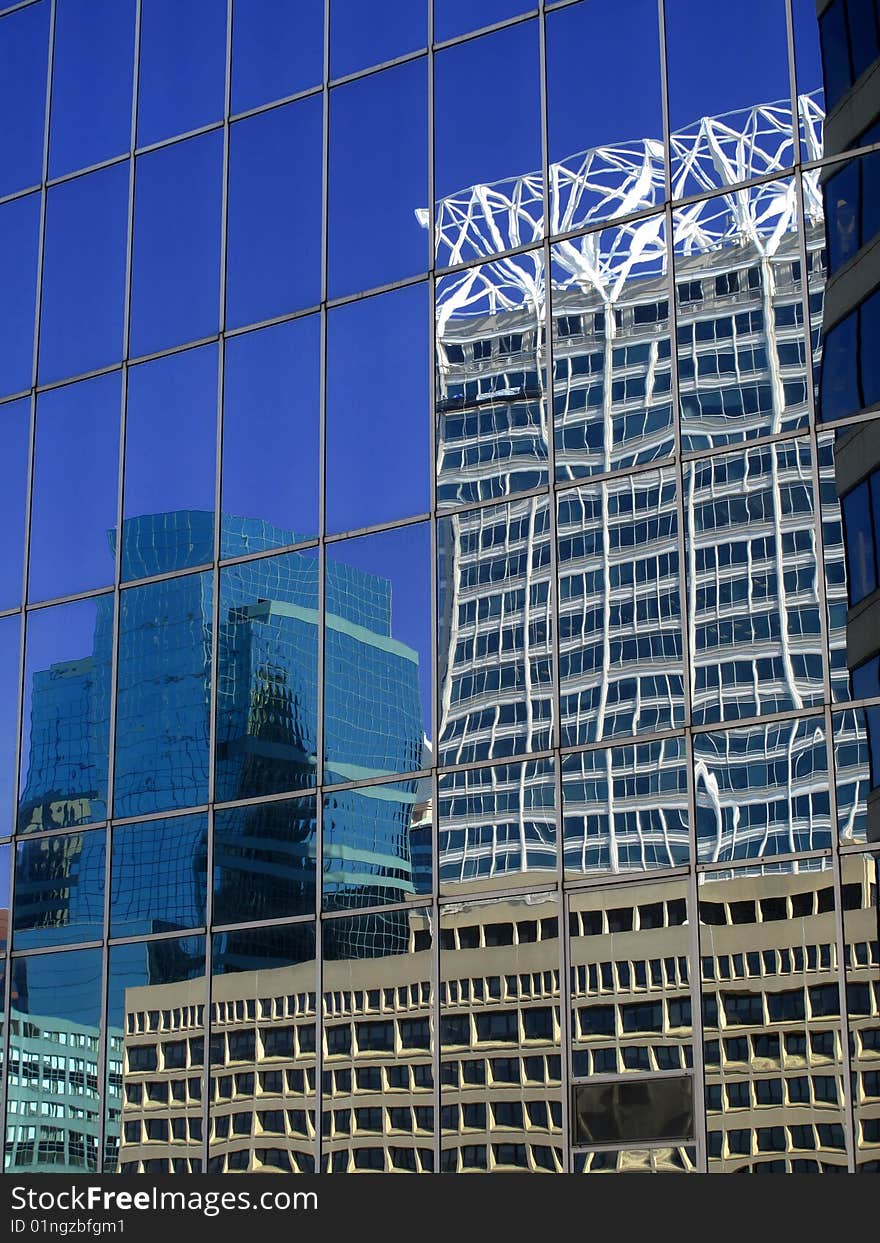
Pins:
x,y
158,876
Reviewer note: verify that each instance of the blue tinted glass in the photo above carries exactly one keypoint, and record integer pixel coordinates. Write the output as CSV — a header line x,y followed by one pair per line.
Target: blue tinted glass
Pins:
x,y
10,652
841,195
752,69
377,378
91,83
142,977
176,281
66,715
377,658
271,417
170,445
268,676
632,81
869,352
274,213
808,60
84,274
261,949
159,876
24,57
474,146
456,17
866,680
860,545
14,436
362,35
835,53
264,861
277,49
72,528
5,859
376,187
59,889
163,701
870,207
862,21
19,244
368,850
182,73
838,386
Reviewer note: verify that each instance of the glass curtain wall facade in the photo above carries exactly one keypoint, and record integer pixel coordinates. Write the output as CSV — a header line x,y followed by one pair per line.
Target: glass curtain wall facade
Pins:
x,y
440,682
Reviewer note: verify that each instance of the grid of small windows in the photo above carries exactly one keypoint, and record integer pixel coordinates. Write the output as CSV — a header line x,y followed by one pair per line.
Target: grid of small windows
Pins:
x,y
631,533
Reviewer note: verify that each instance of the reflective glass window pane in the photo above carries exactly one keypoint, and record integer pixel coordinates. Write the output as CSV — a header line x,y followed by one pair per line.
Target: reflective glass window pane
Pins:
x,y
377,393
265,861
862,24
473,150
612,350
490,378
608,161
810,79
15,433
497,826
10,651
377,189
625,808
262,1051
377,845
680,1159
620,638
627,1111
857,773
836,56
175,280
66,715
271,417
182,74
377,661
170,444
457,17
162,705
24,57
55,1017
861,882
59,889
869,364
277,49
762,790
267,695
92,68
839,389
19,244
362,36
495,604
753,69
5,878
155,1055
771,1019
742,362
274,212
500,1037
158,876
81,318
860,543
842,213
73,528
378,1097
755,618
630,986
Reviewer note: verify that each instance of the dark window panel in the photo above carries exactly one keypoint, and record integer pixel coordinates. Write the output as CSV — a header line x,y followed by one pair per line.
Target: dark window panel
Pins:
x,y
377,376
861,554
176,262
59,889
19,245
264,861
72,530
360,36
376,188
182,74
92,73
277,50
81,319
271,409
14,435
24,57
839,382
159,877
862,23
66,716
836,62
869,329
170,443
634,1111
274,213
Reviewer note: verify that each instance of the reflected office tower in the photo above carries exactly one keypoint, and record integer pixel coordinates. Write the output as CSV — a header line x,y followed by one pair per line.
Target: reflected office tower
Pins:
x,y
733,311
